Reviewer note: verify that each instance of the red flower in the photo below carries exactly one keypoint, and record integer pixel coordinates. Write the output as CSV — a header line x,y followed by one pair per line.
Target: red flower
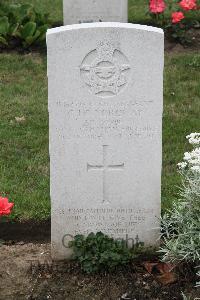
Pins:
x,y
157,6
177,17
188,4
5,206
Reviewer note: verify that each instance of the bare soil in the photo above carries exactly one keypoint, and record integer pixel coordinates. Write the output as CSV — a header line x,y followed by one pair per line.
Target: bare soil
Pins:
x,y
27,231
172,46
27,272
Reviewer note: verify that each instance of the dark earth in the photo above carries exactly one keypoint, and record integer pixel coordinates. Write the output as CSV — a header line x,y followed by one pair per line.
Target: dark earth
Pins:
x,y
27,272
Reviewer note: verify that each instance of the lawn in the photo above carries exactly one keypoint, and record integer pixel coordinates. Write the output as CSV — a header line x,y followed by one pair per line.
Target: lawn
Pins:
x,y
24,144
24,160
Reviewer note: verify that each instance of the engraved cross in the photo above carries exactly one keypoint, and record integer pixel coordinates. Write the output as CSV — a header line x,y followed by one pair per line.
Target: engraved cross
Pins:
x,y
105,167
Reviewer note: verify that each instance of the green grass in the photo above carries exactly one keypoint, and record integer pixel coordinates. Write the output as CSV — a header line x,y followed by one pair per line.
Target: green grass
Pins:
x,y
24,161
24,172
138,11
181,116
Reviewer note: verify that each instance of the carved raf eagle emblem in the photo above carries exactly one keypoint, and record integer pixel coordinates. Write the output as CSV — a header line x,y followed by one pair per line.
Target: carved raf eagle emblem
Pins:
x,y
105,70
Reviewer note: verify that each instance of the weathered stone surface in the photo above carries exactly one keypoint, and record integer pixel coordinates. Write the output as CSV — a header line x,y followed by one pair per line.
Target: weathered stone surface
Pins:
x,y
89,11
105,109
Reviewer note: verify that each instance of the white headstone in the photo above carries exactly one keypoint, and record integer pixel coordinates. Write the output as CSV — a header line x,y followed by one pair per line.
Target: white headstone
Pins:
x,y
105,108
89,11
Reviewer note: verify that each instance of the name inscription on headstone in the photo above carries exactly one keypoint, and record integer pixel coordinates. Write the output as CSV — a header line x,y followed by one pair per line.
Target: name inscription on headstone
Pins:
x,y
105,120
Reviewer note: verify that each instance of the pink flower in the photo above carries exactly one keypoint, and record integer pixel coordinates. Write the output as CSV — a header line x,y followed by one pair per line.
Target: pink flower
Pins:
x,y
177,17
157,6
5,206
188,4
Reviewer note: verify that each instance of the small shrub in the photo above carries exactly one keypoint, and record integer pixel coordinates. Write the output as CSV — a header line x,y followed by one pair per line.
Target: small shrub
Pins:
x,y
181,225
98,252
176,16
22,25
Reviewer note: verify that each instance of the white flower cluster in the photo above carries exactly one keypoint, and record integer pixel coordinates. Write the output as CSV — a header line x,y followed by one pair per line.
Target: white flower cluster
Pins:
x,y
194,138
182,165
192,159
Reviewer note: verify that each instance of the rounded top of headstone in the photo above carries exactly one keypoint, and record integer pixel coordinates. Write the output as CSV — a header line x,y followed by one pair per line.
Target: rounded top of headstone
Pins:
x,y
104,25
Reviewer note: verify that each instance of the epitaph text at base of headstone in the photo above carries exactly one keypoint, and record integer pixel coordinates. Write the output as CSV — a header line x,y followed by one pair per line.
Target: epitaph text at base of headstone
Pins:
x,y
105,116
89,11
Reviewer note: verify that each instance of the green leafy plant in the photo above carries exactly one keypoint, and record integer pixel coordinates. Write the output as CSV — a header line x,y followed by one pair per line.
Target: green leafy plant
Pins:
x,y
22,25
98,252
